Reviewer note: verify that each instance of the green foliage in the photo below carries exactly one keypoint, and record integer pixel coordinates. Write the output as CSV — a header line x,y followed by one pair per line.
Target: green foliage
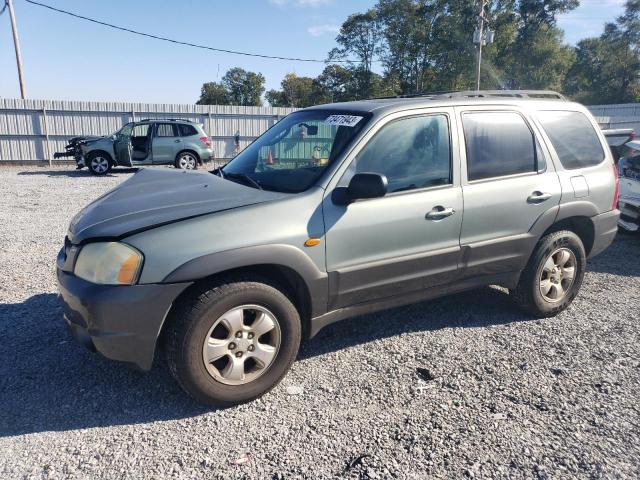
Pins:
x,y
606,68
238,87
415,46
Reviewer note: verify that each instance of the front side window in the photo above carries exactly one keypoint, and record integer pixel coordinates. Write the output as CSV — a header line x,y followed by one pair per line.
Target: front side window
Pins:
x,y
573,137
293,154
141,130
498,144
125,131
165,130
413,153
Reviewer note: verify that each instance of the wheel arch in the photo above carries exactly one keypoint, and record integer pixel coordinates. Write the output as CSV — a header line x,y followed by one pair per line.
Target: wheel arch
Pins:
x,y
283,266
104,152
189,150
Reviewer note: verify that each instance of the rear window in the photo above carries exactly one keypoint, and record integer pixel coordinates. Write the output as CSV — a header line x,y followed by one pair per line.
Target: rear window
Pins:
x,y
498,144
187,130
573,137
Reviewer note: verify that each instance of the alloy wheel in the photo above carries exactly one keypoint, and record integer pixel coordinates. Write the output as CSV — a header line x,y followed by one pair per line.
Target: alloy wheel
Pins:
x,y
99,164
241,345
187,161
558,275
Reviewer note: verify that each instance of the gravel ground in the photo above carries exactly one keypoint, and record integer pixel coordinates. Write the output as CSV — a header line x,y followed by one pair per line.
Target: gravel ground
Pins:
x,y
461,386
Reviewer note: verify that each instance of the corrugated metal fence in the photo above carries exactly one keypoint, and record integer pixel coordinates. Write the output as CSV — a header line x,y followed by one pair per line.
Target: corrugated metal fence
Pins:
x,y
33,130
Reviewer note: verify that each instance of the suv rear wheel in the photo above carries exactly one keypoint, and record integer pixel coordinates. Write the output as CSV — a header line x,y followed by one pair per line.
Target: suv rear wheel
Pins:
x,y
98,163
553,276
233,341
186,161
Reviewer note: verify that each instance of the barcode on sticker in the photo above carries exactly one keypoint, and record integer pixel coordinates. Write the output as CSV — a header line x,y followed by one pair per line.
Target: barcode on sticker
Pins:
x,y
343,120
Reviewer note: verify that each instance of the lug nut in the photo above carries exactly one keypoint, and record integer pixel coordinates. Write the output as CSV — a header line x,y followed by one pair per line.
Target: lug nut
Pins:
x,y
232,346
251,348
238,334
238,354
250,335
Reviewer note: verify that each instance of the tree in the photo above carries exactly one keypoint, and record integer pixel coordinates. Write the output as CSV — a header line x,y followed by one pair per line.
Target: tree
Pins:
x,y
213,93
297,92
606,68
243,87
334,84
360,37
238,87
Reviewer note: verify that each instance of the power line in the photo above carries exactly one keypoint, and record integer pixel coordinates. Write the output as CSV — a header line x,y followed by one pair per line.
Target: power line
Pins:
x,y
179,42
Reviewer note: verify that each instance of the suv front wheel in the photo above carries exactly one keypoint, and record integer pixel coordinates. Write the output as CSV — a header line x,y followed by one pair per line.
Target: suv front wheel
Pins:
x,y
232,341
99,163
553,276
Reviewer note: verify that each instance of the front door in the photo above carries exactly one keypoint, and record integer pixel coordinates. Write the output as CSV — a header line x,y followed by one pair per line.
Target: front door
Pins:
x,y
122,145
407,240
508,184
166,143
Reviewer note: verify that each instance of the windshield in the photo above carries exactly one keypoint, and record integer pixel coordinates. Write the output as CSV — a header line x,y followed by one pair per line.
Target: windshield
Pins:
x,y
293,154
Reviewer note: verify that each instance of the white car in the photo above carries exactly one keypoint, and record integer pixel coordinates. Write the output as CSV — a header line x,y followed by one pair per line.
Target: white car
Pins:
x,y
629,202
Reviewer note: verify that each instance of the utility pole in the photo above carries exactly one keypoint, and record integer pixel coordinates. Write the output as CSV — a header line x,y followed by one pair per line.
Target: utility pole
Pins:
x,y
16,43
478,37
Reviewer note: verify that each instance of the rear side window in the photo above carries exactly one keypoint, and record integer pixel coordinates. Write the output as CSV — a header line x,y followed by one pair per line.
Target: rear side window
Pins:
x,y
187,130
573,137
498,144
166,130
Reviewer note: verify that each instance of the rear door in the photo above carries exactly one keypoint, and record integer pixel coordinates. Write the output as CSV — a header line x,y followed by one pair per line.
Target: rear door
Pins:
x,y
166,143
407,240
508,183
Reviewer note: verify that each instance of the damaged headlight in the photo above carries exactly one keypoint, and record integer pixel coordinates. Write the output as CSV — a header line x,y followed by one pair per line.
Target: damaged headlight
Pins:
x,y
109,263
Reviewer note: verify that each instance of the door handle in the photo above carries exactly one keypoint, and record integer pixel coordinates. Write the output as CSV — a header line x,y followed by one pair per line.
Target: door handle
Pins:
x,y
439,212
177,141
538,197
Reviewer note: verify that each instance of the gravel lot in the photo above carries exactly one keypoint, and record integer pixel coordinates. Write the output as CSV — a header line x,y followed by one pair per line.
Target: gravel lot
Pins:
x,y
461,386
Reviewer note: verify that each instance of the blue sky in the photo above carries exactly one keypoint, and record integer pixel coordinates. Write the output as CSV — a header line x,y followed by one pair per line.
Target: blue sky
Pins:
x,y
70,59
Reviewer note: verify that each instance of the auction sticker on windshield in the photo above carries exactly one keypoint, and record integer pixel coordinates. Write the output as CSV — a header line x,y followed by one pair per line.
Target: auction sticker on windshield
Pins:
x,y
343,120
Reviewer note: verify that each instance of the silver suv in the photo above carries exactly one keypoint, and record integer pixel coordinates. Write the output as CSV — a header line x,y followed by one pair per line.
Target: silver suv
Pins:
x,y
339,210
150,142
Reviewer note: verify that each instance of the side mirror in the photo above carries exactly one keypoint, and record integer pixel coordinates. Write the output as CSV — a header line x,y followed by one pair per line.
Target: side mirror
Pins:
x,y
366,185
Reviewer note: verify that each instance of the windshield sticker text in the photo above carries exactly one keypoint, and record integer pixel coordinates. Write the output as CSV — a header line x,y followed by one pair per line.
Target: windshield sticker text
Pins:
x,y
343,120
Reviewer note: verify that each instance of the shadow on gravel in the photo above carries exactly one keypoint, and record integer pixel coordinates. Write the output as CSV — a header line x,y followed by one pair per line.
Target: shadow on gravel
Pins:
x,y
621,258
76,173
50,383
473,309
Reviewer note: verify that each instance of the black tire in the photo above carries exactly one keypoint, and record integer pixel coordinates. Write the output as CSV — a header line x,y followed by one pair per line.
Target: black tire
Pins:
x,y
96,163
187,160
528,294
193,318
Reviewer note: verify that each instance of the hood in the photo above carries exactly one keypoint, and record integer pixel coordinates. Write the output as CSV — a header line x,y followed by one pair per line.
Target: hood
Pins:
x,y
87,138
154,197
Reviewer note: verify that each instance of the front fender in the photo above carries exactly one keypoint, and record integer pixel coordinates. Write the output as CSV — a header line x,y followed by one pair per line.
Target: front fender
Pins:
x,y
282,255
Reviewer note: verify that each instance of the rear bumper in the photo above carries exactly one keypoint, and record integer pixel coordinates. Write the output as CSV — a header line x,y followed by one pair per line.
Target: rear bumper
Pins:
x,y
119,322
605,228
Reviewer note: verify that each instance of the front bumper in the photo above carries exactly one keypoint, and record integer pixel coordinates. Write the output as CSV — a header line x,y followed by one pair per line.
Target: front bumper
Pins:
x,y
605,227
120,322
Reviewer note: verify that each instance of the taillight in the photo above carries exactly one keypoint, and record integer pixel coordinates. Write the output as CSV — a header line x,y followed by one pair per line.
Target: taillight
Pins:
x,y
616,192
206,141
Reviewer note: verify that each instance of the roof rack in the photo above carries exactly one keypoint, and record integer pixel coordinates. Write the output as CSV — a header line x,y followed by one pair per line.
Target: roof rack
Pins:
x,y
166,120
522,94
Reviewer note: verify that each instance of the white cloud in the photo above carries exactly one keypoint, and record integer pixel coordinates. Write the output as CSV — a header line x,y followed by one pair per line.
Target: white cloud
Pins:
x,y
319,30
300,3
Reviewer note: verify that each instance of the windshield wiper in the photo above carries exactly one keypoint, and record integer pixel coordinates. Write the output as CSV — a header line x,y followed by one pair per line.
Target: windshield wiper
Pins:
x,y
243,176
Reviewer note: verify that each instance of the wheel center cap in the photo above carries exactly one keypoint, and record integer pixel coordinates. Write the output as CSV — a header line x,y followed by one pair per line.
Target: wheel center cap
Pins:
x,y
243,344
